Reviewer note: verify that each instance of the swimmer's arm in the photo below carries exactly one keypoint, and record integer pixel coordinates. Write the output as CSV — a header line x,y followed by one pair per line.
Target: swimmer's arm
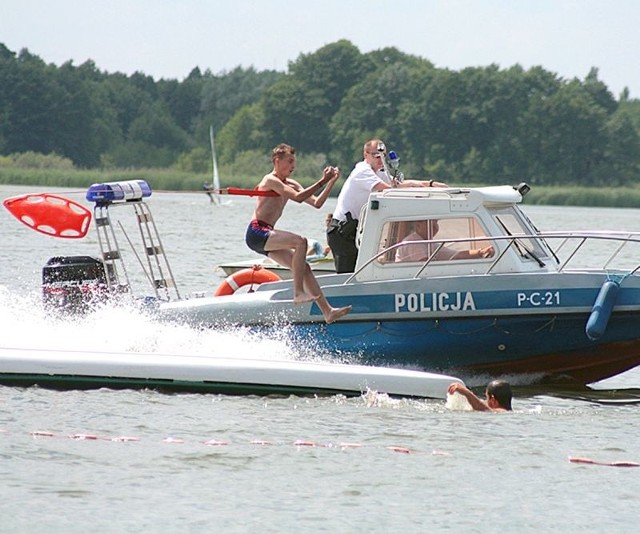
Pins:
x,y
475,402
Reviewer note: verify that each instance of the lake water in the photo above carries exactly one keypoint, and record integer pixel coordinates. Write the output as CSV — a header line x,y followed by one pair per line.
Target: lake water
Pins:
x,y
209,463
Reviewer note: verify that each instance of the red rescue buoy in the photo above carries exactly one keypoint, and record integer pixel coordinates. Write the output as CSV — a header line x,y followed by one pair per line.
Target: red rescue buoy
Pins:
x,y
50,214
255,275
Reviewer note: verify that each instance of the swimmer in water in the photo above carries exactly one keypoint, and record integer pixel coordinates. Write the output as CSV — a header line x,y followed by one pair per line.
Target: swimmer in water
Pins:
x,y
498,396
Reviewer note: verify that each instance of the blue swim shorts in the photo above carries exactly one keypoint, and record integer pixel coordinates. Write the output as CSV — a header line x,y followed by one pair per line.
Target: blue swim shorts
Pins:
x,y
257,234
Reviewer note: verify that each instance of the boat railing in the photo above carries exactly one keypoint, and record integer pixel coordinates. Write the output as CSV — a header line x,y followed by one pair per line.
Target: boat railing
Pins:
x,y
583,242
622,239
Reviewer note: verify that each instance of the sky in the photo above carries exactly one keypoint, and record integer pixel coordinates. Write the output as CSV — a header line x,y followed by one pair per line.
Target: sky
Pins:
x,y
168,38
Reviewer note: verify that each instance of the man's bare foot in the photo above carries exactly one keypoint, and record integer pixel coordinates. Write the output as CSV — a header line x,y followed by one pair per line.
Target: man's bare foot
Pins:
x,y
336,313
301,298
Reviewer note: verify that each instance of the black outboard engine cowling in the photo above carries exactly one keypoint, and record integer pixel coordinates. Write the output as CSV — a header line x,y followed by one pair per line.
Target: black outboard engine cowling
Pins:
x,y
75,283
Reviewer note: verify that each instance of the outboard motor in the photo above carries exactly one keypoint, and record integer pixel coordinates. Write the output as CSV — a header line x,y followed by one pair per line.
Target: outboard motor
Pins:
x,y
73,284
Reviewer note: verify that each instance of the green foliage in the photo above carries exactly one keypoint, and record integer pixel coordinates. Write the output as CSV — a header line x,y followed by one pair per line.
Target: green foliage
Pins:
x,y
254,167
477,125
246,176
243,132
34,160
222,96
197,160
299,108
249,166
44,177
309,167
253,163
158,179
625,197
155,127
375,107
139,155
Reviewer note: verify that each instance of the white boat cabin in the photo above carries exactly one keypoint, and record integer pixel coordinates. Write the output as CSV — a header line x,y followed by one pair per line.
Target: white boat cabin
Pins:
x,y
416,232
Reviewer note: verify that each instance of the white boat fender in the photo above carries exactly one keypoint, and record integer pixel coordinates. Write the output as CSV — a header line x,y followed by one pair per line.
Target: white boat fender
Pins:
x,y
601,311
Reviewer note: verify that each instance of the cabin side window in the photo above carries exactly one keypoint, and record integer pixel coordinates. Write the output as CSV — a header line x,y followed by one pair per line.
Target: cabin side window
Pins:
x,y
437,240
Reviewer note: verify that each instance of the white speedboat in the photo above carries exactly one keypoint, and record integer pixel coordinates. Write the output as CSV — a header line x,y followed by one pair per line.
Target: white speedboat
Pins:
x,y
174,372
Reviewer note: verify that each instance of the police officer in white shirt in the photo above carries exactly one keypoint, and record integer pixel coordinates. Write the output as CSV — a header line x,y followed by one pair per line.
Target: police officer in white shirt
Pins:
x,y
367,176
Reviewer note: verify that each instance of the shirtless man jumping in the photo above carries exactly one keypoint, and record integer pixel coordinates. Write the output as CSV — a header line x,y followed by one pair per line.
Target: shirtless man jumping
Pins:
x,y
284,247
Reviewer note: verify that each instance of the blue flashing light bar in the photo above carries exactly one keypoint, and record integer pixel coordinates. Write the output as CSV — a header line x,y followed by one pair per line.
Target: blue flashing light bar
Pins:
x,y
118,191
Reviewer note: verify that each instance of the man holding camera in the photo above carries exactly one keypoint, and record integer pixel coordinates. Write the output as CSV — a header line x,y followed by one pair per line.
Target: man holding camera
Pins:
x,y
367,176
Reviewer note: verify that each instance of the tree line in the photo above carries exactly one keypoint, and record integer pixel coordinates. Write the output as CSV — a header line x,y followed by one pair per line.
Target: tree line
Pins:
x,y
477,125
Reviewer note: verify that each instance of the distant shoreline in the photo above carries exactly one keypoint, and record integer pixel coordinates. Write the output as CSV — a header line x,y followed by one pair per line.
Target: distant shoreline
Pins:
x,y
172,180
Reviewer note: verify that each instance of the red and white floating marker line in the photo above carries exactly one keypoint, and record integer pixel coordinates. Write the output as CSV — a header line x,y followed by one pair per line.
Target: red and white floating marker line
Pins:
x,y
92,437
588,461
216,443
172,440
300,443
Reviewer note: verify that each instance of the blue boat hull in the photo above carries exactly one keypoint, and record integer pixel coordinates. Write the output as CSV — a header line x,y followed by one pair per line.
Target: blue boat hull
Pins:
x,y
549,348
507,325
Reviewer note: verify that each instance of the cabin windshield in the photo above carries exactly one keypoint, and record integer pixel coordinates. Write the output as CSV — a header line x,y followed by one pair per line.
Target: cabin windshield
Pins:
x,y
441,239
514,223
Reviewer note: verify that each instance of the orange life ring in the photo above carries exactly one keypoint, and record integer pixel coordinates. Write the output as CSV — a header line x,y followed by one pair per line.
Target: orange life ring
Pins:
x,y
253,275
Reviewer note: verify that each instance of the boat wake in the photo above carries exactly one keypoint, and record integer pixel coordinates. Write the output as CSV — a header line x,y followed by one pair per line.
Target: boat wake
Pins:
x,y
28,325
